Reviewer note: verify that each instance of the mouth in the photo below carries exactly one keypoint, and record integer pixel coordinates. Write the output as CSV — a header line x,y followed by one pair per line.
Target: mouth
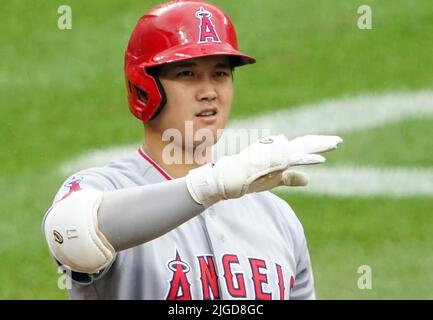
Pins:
x,y
208,115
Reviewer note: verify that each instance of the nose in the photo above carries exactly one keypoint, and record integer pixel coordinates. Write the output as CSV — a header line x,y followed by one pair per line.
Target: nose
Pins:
x,y
207,90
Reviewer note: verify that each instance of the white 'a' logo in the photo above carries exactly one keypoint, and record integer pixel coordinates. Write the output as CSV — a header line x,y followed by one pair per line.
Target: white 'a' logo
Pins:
x,y
206,27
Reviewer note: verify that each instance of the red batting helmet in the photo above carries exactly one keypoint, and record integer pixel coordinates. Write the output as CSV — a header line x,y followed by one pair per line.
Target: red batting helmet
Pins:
x,y
171,32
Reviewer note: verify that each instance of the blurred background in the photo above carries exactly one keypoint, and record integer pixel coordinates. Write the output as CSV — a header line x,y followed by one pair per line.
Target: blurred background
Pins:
x,y
62,96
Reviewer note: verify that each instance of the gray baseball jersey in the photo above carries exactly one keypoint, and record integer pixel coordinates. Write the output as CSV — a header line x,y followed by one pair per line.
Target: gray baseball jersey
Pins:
x,y
248,248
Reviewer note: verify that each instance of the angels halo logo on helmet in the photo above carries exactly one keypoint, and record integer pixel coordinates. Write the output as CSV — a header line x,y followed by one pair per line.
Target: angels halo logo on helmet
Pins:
x,y
172,32
207,28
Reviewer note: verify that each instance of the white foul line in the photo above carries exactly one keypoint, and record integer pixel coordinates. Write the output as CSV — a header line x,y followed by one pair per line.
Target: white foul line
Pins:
x,y
368,181
343,115
330,117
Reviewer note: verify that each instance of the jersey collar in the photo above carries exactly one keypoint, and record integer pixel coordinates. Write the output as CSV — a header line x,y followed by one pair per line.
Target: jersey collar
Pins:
x,y
154,164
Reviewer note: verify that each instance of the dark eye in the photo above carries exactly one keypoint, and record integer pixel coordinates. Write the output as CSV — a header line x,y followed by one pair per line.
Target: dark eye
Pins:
x,y
184,74
221,74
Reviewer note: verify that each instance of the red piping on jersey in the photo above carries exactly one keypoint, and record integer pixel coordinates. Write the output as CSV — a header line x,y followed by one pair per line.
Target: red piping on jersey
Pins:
x,y
153,163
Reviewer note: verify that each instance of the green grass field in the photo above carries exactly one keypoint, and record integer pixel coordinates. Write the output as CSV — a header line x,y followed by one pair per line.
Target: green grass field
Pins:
x,y
62,94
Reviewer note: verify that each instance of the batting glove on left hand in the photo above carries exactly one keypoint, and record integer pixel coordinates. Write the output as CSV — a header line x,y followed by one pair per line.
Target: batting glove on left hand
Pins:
x,y
261,166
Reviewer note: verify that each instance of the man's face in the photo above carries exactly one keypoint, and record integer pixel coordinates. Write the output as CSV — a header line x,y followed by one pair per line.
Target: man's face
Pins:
x,y
198,90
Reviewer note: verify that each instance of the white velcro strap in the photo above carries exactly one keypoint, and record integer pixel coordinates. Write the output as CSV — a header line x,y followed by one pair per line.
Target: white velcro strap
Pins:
x,y
71,231
202,186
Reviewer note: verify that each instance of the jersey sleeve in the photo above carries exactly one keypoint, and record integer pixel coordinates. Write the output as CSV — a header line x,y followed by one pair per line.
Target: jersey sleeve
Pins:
x,y
303,287
90,179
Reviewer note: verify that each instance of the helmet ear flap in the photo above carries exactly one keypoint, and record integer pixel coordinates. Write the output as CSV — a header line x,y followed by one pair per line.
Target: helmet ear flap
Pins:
x,y
163,100
144,96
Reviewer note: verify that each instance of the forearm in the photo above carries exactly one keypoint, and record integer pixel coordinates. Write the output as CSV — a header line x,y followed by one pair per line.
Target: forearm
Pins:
x,y
130,217
103,223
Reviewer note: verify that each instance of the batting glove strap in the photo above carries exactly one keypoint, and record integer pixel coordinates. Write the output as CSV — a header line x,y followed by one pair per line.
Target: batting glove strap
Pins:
x,y
202,186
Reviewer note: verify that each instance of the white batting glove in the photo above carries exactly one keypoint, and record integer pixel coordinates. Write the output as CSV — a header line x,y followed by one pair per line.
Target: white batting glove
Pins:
x,y
261,166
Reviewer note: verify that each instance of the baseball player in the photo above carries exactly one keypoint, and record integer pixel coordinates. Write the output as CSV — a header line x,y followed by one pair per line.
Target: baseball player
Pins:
x,y
142,227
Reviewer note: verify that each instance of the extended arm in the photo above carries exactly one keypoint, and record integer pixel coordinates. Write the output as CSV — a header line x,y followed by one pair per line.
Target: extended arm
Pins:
x,y
85,230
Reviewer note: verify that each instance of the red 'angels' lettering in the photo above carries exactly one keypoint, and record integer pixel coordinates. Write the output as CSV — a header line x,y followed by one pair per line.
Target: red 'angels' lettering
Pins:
x,y
280,280
180,286
206,27
259,279
239,291
209,277
292,283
